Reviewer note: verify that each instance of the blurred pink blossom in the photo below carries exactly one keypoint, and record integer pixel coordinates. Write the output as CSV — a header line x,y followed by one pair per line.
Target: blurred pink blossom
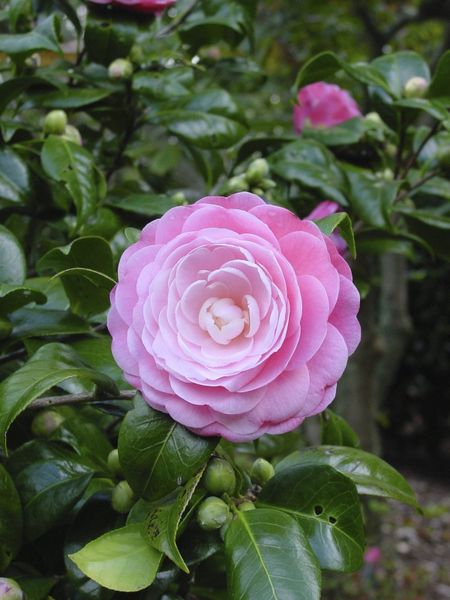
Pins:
x,y
372,555
146,6
323,105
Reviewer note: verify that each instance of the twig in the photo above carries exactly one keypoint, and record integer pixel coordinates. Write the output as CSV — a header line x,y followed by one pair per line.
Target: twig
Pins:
x,y
416,185
48,401
13,356
176,22
415,154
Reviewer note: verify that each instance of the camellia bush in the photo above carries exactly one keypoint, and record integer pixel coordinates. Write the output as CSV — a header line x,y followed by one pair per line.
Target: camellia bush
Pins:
x,y
182,256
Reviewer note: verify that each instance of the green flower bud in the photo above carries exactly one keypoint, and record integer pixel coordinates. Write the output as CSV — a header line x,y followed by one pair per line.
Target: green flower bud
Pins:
x,y
443,156
219,477
387,174
267,184
123,497
33,61
416,87
213,513
391,150
238,183
261,471
5,328
136,54
257,170
114,463
179,198
10,589
55,122
71,134
258,191
374,117
121,68
46,422
246,505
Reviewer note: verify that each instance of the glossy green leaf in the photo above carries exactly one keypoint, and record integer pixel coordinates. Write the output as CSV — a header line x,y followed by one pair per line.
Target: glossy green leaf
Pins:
x,y
157,454
343,222
349,132
48,490
87,272
160,86
204,130
163,522
398,67
148,205
434,108
214,101
431,227
13,88
121,560
370,474
86,438
326,505
38,321
26,43
440,84
336,431
72,97
10,519
96,352
13,297
36,588
269,558
310,164
326,64
14,178
12,265
74,166
49,366
371,198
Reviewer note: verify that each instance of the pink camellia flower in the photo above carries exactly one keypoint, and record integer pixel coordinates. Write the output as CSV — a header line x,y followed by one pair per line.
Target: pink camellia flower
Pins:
x,y
325,209
149,6
323,105
235,317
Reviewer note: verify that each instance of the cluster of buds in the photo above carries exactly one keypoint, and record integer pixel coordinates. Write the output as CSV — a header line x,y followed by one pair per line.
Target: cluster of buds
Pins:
x,y
255,179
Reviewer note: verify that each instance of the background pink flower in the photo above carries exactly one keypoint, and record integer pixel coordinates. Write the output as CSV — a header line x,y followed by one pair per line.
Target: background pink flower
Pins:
x,y
235,317
323,105
153,6
324,209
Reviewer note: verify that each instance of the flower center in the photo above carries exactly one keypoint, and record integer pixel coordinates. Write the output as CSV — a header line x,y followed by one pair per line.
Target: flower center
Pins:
x,y
223,319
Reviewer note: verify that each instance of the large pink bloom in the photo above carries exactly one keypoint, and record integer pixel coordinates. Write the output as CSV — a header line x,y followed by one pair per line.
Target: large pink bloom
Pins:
x,y
234,316
323,105
152,6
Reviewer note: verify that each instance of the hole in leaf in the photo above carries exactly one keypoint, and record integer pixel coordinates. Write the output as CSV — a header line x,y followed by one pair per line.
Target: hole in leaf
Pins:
x,y
332,520
318,510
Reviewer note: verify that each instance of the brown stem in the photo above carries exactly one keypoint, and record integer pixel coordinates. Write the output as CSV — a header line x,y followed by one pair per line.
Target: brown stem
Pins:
x,y
418,184
176,22
48,401
412,159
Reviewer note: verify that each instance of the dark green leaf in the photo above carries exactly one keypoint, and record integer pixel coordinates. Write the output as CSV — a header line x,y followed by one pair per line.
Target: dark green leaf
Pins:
x,y
14,179
349,132
26,43
431,227
72,97
13,297
204,130
36,588
308,163
121,560
48,490
160,86
36,322
148,205
398,67
12,265
269,558
336,431
215,101
87,272
10,519
49,366
74,166
343,222
371,197
326,505
370,474
163,522
157,454
440,84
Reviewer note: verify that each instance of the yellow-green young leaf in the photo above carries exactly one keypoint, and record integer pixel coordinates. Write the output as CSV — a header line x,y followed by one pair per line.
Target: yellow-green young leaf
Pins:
x,y
120,560
269,558
49,366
